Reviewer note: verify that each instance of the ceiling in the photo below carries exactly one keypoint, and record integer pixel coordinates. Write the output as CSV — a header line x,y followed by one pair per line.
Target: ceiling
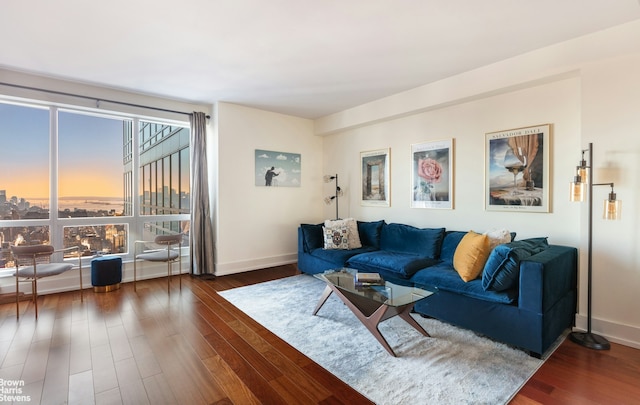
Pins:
x,y
307,58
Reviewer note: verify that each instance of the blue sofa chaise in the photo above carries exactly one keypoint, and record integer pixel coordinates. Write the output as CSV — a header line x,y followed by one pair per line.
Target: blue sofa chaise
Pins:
x,y
525,295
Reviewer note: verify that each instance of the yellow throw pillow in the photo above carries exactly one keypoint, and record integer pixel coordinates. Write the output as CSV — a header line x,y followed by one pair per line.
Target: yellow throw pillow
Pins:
x,y
471,255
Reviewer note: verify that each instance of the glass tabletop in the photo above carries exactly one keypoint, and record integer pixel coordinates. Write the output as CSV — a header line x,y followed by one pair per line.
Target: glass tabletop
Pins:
x,y
383,292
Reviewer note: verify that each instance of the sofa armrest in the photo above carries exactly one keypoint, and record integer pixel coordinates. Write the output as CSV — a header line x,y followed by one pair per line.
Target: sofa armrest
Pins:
x,y
301,241
547,277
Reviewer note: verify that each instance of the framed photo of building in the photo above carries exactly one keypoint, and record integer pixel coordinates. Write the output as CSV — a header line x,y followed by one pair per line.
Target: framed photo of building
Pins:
x,y
277,169
375,178
517,169
432,174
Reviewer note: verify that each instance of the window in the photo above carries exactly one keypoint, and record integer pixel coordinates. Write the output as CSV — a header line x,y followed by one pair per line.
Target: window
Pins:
x,y
24,165
164,168
16,235
152,229
81,178
97,239
91,165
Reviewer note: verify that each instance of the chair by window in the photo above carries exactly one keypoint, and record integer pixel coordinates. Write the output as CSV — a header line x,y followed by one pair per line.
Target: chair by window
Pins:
x,y
169,255
33,262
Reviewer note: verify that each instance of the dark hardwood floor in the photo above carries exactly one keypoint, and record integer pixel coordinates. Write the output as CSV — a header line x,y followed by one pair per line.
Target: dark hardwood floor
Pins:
x,y
193,347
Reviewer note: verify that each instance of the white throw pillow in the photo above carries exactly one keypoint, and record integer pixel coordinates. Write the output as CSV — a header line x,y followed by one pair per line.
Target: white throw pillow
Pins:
x,y
336,238
351,225
498,237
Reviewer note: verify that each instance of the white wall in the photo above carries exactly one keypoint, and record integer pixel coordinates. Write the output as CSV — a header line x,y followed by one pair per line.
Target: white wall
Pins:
x,y
589,89
610,119
256,226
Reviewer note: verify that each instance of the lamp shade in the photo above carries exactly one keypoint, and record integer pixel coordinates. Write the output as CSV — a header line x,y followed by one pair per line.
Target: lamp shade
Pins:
x,y
583,173
612,209
577,191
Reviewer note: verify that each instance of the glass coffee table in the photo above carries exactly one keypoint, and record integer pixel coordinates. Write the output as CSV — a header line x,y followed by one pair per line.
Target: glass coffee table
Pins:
x,y
372,303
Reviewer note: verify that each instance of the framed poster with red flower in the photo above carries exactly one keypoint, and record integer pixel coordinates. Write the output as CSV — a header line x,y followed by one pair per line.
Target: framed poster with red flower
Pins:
x,y
432,174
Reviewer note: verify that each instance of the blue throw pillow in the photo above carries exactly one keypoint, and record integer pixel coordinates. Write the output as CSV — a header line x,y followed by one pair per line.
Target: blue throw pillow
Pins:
x,y
502,269
370,233
449,245
402,238
313,237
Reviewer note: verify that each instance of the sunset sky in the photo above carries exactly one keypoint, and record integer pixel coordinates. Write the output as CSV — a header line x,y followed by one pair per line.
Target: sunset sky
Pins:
x,y
90,154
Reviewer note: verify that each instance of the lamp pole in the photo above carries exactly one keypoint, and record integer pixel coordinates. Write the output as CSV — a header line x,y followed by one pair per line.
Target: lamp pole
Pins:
x,y
589,339
337,189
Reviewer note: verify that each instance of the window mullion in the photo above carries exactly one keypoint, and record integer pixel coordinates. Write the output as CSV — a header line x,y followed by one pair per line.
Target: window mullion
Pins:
x,y
55,230
137,223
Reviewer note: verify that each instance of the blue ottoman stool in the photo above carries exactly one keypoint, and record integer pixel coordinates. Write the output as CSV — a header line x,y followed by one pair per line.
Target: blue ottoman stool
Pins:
x,y
106,273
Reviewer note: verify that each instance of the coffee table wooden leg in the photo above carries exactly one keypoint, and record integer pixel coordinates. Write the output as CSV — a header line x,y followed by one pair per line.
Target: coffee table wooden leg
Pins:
x,y
372,322
406,315
325,295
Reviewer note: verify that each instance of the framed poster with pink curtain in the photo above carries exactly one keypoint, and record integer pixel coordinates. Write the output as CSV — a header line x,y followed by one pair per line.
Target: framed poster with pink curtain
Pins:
x,y
517,169
432,174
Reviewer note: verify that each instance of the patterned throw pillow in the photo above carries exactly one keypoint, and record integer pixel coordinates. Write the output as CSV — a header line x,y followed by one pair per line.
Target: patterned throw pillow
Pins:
x,y
352,226
336,238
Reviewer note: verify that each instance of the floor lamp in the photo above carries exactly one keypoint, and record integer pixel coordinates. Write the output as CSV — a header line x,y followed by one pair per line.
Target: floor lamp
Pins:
x,y
327,179
612,210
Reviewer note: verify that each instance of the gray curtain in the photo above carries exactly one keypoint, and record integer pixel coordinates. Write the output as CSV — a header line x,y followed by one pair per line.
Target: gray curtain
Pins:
x,y
201,232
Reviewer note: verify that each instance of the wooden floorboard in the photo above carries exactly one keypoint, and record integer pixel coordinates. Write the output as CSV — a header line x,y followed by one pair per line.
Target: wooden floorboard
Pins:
x,y
191,346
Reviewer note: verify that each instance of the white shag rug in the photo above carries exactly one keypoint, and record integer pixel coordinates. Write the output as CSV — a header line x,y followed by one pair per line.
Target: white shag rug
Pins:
x,y
453,366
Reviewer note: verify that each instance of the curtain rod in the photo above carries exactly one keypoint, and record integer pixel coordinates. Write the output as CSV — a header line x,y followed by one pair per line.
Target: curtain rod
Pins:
x,y
98,100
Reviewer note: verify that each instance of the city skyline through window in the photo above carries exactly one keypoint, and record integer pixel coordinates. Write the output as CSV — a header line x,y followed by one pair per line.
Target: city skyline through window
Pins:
x,y
90,164
24,167
69,178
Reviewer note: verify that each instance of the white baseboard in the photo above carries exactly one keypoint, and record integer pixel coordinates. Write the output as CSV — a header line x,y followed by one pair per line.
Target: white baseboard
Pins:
x,y
627,335
223,269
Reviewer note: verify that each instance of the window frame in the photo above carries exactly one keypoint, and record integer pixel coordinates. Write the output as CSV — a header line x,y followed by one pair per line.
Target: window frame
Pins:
x,y
135,222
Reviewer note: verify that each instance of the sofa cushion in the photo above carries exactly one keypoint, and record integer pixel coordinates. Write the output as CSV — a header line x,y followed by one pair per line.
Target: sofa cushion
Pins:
x,y
425,242
370,232
471,255
402,264
312,236
336,238
502,269
444,277
353,238
338,256
449,245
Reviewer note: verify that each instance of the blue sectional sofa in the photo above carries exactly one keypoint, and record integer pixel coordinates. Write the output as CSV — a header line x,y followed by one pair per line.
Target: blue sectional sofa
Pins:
x,y
525,295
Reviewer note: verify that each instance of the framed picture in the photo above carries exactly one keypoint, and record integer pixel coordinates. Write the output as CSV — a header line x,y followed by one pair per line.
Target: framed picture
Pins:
x,y
375,178
432,174
517,169
277,169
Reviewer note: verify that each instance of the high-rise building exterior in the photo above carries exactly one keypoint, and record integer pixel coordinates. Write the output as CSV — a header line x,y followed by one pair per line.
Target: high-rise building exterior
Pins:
x,y
164,175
